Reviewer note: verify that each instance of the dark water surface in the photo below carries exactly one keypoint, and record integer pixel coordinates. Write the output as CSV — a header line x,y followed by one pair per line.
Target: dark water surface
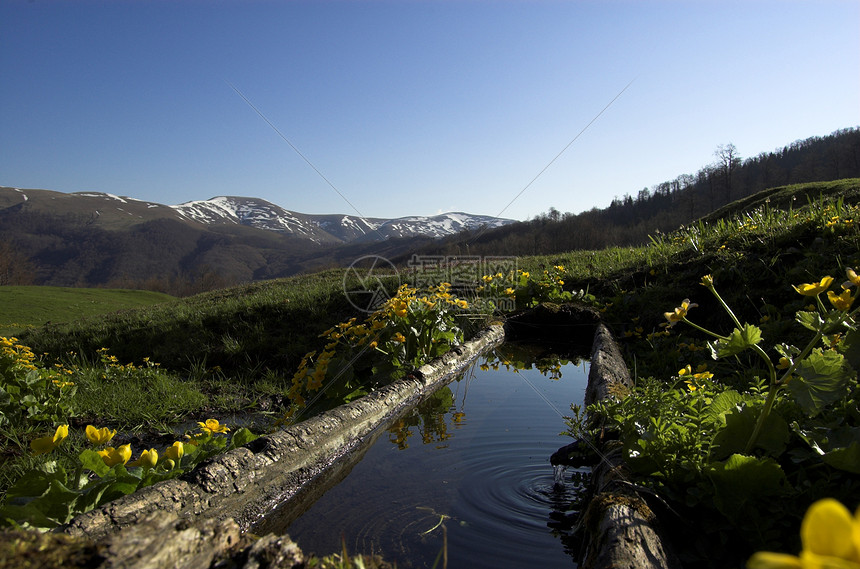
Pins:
x,y
469,467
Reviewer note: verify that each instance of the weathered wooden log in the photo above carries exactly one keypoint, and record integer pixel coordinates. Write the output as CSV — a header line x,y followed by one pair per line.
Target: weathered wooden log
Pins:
x,y
623,532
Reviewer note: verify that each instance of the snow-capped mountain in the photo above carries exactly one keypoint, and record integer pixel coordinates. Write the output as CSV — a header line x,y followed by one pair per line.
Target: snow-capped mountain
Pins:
x,y
262,214
252,212
114,211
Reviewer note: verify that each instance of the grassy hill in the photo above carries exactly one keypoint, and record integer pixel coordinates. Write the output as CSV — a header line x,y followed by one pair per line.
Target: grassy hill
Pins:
x,y
24,307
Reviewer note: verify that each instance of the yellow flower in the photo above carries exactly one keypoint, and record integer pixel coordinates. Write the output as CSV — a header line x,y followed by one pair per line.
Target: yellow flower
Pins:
x,y
113,456
175,451
841,301
830,538
526,274
680,312
373,344
510,292
784,363
686,370
401,309
99,436
315,381
211,426
814,289
399,338
44,445
148,459
462,304
852,277
708,281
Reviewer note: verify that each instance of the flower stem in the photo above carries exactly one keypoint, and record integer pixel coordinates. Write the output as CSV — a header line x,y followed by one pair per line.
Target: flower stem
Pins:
x,y
773,388
725,306
705,330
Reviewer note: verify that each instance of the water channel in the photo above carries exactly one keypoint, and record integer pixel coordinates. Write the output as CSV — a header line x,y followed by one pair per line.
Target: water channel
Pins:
x,y
467,471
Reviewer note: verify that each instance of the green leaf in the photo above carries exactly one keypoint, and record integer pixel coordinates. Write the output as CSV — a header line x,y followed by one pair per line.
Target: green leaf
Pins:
x,y
738,341
811,320
34,483
57,503
845,458
92,496
120,483
821,379
92,460
153,476
354,395
744,482
739,427
242,437
850,348
723,403
5,397
29,514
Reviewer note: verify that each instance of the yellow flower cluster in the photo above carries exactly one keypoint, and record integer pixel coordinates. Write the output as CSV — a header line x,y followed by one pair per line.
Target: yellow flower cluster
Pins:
x,y
398,315
693,380
836,220
19,355
122,454
841,301
15,357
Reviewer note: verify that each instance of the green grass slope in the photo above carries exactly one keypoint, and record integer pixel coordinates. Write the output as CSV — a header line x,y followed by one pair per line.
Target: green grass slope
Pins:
x,y
242,330
23,307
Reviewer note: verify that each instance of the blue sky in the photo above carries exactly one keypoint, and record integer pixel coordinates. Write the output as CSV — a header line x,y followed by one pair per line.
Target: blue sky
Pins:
x,y
411,107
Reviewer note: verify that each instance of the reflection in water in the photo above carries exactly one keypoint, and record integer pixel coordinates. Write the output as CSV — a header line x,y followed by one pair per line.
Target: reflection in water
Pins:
x,y
428,419
466,471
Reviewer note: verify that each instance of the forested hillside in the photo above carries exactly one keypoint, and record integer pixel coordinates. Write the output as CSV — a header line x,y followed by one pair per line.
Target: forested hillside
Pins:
x,y
629,220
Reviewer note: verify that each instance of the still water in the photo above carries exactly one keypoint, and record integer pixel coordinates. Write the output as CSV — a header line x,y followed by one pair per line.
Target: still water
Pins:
x,y
468,468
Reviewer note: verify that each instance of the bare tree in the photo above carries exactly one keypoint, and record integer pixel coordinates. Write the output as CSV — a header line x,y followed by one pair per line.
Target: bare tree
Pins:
x,y
729,160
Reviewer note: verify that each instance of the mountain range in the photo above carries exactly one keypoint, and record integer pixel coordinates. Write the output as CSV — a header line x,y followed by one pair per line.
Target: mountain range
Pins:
x,y
102,239
117,211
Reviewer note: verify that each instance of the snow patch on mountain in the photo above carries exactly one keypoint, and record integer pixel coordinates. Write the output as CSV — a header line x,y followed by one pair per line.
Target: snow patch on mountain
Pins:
x,y
333,227
440,225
